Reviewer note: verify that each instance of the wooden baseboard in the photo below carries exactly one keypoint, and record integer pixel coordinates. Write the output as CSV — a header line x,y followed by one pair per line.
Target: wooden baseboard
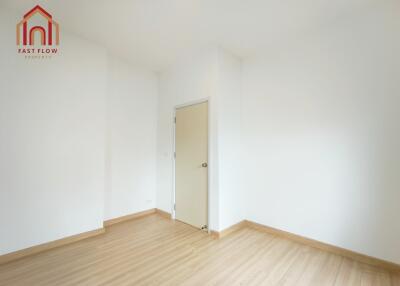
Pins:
x,y
128,217
68,240
48,246
229,230
327,247
164,214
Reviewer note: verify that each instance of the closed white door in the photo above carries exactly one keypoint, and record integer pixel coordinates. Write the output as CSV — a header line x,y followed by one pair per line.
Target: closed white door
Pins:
x,y
191,175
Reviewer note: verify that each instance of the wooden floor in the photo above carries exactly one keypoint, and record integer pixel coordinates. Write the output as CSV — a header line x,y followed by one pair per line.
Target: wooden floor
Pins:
x,y
156,251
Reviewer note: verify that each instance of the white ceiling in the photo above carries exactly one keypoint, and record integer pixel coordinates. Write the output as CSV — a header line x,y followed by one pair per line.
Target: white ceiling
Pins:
x,y
154,33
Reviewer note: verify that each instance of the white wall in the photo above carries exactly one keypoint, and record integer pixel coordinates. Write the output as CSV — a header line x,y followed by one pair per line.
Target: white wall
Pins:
x,y
51,141
192,79
321,136
216,75
77,140
131,139
231,203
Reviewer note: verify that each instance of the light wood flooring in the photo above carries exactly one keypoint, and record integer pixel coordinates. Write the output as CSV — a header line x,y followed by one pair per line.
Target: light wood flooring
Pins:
x,y
153,250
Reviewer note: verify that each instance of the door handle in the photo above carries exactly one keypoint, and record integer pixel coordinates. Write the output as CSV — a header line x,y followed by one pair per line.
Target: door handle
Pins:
x,y
204,165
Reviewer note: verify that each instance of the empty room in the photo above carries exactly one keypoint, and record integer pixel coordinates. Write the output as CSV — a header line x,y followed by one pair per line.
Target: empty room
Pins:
x,y
200,142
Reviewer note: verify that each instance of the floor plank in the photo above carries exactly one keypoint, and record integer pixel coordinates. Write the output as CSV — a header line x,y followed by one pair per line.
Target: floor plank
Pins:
x,y
153,250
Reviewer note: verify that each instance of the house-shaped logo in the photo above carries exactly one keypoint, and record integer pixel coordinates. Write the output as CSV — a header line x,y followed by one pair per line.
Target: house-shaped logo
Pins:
x,y
30,32
38,34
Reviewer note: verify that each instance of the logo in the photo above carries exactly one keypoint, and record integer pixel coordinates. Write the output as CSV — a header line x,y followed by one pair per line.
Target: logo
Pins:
x,y
38,35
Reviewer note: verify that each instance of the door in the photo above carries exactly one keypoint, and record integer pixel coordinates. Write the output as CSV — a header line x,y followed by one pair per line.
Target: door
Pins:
x,y
191,175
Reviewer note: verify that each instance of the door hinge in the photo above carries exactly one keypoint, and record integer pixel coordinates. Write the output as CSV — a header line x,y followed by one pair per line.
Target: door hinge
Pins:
x,y
175,155
174,207
174,119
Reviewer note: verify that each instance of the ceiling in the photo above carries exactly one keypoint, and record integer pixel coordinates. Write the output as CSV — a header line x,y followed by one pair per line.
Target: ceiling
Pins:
x,y
154,33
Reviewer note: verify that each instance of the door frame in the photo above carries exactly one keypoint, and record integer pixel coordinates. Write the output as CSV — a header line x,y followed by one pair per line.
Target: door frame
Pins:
x,y
190,103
